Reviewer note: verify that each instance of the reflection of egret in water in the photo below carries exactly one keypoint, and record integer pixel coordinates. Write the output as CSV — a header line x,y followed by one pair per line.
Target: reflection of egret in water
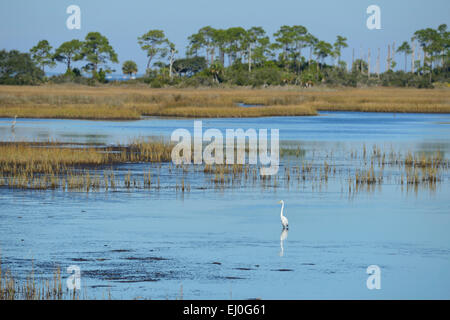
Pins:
x,y
283,236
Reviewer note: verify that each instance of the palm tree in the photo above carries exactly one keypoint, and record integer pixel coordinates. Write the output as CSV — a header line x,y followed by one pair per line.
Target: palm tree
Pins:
x,y
129,67
216,69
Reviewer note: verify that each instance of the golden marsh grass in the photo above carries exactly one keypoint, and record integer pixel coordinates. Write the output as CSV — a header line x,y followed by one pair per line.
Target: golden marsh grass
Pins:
x,y
132,102
49,166
68,167
33,289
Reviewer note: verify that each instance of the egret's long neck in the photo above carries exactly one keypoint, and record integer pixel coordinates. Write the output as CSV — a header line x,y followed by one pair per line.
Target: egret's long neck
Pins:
x,y
282,207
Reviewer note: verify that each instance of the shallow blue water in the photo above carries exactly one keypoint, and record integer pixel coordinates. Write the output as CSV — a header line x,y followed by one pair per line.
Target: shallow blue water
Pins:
x,y
223,244
328,126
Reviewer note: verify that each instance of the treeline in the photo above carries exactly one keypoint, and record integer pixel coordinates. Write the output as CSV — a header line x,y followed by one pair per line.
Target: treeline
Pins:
x,y
236,56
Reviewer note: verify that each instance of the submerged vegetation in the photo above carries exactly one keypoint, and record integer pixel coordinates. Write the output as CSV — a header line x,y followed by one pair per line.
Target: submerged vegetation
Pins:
x,y
64,167
127,103
53,165
34,289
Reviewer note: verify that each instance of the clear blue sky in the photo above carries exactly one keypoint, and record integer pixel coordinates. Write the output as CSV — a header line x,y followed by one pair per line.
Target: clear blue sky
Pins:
x,y
24,22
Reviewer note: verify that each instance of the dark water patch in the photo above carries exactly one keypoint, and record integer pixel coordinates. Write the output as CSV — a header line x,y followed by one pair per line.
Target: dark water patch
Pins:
x,y
217,263
100,286
232,278
330,271
81,260
139,280
243,269
15,260
125,275
121,250
102,274
282,270
146,258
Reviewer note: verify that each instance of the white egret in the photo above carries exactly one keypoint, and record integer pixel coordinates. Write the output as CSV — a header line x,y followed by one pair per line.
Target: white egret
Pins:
x,y
284,220
14,123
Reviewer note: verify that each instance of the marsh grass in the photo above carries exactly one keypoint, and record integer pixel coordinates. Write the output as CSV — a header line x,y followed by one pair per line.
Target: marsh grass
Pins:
x,y
33,288
49,166
45,157
128,103
365,171
93,168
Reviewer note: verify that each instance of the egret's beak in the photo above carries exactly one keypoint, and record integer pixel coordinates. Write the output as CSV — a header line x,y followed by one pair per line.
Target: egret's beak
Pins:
x,y
279,202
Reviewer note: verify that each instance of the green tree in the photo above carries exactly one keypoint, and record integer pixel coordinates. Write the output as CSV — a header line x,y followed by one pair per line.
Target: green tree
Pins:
x,y
429,41
262,50
406,49
444,45
101,76
235,43
172,52
189,66
255,37
291,40
360,66
311,43
97,52
69,51
18,68
322,50
284,40
205,38
195,45
341,42
129,67
41,54
300,38
216,70
220,42
154,44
